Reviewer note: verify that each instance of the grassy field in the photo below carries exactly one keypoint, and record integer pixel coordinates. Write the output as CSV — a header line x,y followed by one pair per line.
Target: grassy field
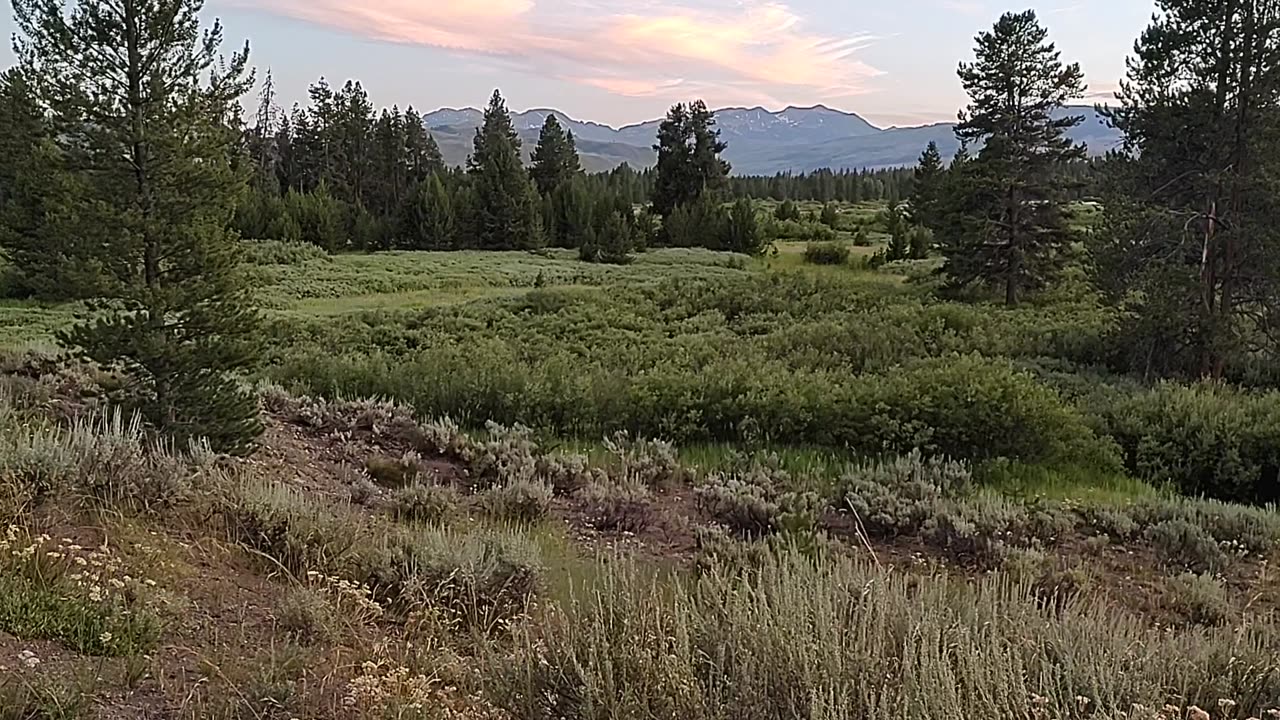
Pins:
x,y
1021,530
877,503
363,565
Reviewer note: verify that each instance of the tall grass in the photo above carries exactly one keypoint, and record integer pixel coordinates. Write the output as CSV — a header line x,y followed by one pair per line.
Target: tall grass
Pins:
x,y
850,640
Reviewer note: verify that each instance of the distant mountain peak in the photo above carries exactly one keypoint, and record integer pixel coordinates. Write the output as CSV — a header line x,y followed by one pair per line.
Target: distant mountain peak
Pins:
x,y
761,141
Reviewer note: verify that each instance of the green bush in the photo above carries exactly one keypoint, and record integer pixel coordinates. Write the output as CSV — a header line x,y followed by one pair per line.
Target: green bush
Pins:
x,y
1204,439
280,252
799,230
827,253
794,357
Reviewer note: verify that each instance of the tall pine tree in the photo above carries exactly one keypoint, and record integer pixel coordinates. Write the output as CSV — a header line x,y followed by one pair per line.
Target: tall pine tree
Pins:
x,y
926,195
555,159
1012,231
505,209
146,114
689,162
1190,247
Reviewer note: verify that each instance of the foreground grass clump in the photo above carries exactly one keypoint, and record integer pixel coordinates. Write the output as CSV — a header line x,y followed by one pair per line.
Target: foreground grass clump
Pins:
x,y
102,459
848,640
81,597
471,580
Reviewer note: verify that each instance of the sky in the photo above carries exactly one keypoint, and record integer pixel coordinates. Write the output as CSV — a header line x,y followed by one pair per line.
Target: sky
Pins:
x,y
625,61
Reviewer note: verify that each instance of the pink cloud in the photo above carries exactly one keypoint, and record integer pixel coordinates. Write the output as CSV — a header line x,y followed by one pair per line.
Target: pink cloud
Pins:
x,y
746,49
454,25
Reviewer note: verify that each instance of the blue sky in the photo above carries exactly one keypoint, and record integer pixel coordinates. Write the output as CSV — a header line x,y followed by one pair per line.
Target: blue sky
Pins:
x,y
624,61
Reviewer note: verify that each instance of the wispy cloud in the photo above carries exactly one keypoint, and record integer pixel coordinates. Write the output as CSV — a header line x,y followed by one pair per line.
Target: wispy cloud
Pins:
x,y
736,50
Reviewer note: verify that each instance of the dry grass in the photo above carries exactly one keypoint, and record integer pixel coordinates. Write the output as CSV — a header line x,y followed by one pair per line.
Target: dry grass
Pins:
x,y
850,640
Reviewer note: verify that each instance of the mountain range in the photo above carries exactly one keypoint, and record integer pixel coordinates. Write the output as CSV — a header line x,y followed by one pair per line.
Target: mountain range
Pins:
x,y
761,142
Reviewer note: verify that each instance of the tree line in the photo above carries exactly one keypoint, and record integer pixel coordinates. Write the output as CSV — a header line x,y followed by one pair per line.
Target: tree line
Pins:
x,y
339,175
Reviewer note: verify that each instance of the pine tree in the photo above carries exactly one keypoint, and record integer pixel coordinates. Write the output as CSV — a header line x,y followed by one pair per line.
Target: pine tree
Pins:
x,y
320,217
575,216
926,196
787,211
555,159
830,216
427,219
1190,247
611,239
50,258
742,233
422,154
899,233
505,212
1012,231
920,241
689,163
148,111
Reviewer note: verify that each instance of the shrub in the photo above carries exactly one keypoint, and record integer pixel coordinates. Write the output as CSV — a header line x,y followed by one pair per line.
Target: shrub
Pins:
x,y
393,472
800,230
617,506
755,503
280,252
307,616
1113,522
900,496
652,463
1248,530
102,459
519,500
965,541
292,529
1181,544
1205,439
425,503
1026,565
568,474
827,253
1201,599
740,505
509,455
474,581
